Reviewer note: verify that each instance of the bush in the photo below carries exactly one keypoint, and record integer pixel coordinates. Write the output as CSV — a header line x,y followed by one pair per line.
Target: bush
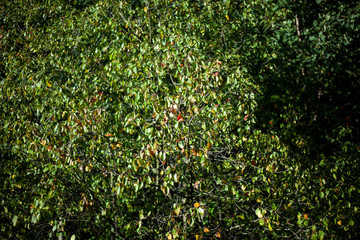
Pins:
x,y
179,119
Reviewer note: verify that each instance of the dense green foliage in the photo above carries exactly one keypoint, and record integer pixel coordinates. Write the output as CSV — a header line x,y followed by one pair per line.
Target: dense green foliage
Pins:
x,y
174,119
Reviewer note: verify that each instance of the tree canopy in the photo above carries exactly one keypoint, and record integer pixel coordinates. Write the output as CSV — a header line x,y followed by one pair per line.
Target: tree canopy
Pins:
x,y
174,119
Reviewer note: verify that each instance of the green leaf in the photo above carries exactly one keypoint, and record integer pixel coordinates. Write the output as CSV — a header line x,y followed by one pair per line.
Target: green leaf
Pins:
x,y
258,212
14,220
351,222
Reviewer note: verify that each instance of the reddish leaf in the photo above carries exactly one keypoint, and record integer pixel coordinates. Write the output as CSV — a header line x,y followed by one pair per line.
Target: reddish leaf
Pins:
x,y
152,153
165,119
180,118
196,184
